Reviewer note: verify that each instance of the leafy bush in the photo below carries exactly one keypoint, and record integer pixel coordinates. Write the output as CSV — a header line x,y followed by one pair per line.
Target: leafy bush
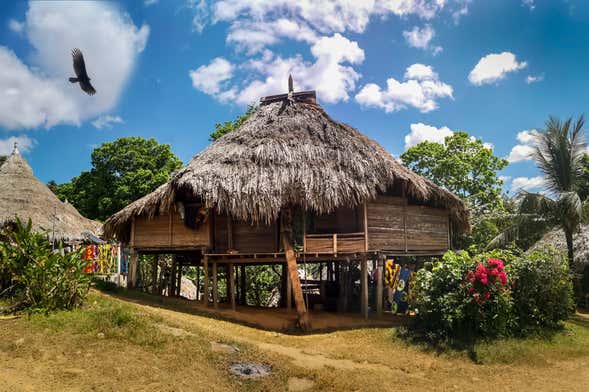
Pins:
x,y
542,291
34,276
462,298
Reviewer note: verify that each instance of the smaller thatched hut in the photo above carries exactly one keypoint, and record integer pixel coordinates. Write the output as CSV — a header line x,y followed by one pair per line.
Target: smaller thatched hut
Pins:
x,y
22,195
557,240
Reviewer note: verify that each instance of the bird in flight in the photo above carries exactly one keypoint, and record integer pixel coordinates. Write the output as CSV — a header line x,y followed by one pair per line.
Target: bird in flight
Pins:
x,y
81,74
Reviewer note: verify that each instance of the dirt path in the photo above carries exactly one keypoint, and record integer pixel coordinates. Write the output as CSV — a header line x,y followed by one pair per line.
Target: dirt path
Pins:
x,y
368,359
354,360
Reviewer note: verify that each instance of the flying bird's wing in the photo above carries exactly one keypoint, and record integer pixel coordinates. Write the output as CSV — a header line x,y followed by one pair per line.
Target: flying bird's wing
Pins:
x,y
81,74
79,65
87,87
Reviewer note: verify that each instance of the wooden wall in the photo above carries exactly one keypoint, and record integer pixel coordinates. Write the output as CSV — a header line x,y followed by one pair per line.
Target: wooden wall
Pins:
x,y
394,225
244,237
164,231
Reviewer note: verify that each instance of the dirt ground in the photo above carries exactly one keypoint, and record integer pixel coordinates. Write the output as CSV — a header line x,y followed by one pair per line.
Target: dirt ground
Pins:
x,y
38,358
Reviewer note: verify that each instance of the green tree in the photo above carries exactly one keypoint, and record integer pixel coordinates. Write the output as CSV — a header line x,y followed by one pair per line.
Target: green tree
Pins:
x,y
559,154
122,171
222,129
466,167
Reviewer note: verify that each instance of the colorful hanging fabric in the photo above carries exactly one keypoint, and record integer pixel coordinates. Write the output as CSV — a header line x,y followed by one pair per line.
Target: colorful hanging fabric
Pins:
x,y
391,274
401,296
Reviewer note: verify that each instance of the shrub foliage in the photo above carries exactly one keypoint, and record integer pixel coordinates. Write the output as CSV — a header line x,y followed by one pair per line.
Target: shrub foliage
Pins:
x,y
37,277
460,298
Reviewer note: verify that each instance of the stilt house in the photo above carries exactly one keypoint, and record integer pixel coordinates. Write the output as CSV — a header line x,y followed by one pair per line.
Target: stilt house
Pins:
x,y
292,185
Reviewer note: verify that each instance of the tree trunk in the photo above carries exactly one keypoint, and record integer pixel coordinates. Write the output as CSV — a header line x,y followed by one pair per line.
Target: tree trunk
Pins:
x,y
293,272
571,256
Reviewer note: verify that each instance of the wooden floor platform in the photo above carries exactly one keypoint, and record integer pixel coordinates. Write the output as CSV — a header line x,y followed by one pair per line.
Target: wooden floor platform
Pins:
x,y
273,319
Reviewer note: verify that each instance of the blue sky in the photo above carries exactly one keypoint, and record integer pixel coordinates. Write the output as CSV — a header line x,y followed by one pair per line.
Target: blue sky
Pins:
x,y
401,71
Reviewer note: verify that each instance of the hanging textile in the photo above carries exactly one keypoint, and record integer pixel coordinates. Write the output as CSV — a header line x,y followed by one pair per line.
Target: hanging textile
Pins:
x,y
102,259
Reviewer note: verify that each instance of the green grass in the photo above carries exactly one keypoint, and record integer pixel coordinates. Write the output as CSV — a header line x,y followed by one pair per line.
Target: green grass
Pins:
x,y
571,342
108,319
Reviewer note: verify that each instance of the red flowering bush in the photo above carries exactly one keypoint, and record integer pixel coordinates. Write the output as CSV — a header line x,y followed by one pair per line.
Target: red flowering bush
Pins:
x,y
487,278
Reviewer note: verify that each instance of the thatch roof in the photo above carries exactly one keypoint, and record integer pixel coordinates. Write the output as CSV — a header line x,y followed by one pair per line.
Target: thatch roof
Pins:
x,y
23,195
289,152
556,239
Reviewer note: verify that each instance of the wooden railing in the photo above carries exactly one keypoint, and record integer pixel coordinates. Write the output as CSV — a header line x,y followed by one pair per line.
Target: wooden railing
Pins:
x,y
335,243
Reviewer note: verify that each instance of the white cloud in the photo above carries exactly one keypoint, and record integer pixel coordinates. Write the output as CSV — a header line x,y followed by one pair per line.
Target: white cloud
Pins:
x,y
494,67
209,78
16,26
328,75
201,13
25,144
526,183
460,10
534,79
421,38
531,4
421,90
107,121
524,150
149,2
421,132
38,94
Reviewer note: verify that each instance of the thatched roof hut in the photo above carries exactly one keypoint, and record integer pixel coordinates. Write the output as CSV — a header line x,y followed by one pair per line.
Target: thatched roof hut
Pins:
x,y
289,152
557,240
23,195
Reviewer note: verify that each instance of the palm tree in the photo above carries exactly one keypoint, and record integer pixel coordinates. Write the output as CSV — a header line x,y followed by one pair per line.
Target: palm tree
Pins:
x,y
558,154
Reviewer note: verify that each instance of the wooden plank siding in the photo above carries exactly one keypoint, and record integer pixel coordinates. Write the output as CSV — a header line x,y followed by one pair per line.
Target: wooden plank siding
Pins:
x,y
244,237
393,225
165,231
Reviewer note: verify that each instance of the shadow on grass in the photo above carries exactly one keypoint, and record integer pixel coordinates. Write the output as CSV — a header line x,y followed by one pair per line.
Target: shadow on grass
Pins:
x,y
192,307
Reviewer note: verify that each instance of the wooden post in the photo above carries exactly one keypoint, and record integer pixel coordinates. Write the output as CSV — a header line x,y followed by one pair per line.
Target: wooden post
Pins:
x,y
179,280
364,286
365,209
205,288
154,267
215,286
231,286
288,293
379,284
133,264
172,282
197,283
293,272
243,299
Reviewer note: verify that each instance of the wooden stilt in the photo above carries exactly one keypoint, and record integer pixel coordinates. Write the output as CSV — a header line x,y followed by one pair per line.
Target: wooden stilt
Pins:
x,y
379,284
364,286
154,267
179,280
243,299
197,283
205,288
231,287
288,293
215,286
133,265
172,283
293,272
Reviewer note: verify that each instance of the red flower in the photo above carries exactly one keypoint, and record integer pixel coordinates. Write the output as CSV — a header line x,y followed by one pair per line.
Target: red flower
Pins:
x,y
487,295
503,277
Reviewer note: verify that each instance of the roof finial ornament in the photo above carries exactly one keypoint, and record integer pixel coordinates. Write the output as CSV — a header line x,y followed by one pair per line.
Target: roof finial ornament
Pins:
x,y
15,149
290,86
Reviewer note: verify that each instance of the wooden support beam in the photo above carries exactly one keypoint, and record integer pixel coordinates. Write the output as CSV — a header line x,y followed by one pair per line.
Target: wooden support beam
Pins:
x,y
154,267
205,289
243,292
364,286
231,286
179,280
365,209
288,292
379,284
215,286
172,282
293,272
133,266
